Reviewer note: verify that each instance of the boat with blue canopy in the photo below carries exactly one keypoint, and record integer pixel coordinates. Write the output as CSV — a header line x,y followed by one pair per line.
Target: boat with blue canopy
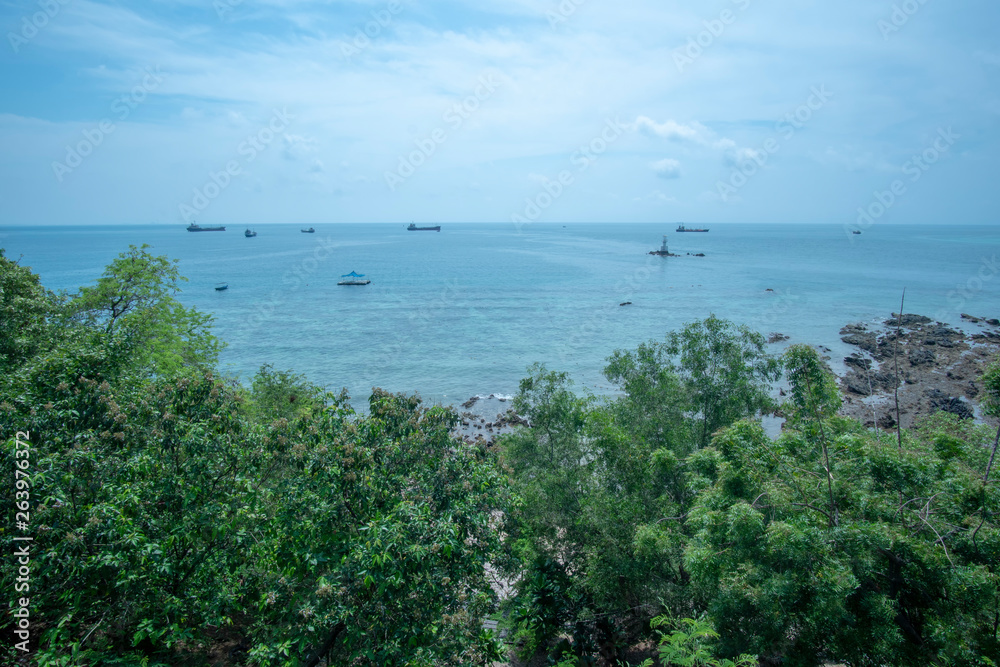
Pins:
x,y
353,278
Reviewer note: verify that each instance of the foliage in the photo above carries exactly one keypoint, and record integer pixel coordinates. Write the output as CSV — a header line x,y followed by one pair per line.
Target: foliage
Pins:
x,y
385,534
606,486
25,307
135,297
725,371
284,395
172,509
831,542
689,645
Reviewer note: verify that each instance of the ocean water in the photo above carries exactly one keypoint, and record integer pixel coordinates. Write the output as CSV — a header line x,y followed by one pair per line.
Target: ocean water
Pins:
x,y
465,311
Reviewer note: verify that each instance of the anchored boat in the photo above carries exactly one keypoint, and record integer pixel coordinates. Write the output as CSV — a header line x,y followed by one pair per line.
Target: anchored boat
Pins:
x,y
249,234
195,227
414,228
353,278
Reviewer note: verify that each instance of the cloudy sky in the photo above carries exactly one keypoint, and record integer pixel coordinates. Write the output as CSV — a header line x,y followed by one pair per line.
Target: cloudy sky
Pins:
x,y
312,111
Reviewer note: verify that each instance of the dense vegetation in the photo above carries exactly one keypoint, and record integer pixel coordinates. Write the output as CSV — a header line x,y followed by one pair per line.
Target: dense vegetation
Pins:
x,y
181,518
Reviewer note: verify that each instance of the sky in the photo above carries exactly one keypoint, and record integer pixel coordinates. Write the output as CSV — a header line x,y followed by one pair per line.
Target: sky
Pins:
x,y
307,112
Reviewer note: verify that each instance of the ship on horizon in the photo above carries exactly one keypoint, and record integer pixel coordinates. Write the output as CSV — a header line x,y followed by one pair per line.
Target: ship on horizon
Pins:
x,y
414,228
195,227
682,228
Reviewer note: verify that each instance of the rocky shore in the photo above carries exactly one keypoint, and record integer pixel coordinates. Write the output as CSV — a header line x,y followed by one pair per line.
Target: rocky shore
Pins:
x,y
939,368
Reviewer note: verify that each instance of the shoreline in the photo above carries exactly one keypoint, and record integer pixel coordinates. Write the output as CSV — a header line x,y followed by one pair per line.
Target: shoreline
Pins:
x,y
939,369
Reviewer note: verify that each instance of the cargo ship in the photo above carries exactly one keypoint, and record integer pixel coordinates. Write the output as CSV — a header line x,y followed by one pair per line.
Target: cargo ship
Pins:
x,y
195,227
682,228
414,228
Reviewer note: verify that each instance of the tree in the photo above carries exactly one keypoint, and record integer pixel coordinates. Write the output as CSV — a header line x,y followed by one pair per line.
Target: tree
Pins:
x,y
284,395
379,546
25,308
135,299
828,543
726,371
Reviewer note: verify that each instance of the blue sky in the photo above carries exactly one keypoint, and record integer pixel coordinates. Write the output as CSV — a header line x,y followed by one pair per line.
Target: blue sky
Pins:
x,y
307,111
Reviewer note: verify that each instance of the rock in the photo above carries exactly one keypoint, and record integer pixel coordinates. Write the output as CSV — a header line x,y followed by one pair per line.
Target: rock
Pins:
x,y
953,404
908,320
626,303
887,421
777,338
993,322
921,357
858,362
972,319
699,254
469,403
856,385
769,290
866,341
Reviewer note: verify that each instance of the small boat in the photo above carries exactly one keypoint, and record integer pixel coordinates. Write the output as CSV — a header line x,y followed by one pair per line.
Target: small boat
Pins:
x,y
221,286
249,234
682,228
353,278
414,228
195,227
855,232
311,230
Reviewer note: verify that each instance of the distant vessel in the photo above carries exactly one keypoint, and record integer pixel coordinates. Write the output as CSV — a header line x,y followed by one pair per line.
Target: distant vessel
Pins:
x,y
855,232
414,228
354,279
195,227
663,251
682,228
221,286
311,230
249,234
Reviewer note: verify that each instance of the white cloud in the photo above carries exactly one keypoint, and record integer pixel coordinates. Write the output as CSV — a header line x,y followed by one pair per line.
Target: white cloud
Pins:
x,y
667,168
671,129
296,147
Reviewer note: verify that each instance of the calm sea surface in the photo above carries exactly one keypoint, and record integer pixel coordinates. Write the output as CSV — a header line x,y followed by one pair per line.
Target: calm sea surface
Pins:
x,y
466,310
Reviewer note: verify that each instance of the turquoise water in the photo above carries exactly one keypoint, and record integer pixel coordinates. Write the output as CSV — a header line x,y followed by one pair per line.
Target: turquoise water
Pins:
x,y
466,310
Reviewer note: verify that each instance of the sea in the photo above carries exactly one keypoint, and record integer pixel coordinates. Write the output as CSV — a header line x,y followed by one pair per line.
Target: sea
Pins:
x,y
465,311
